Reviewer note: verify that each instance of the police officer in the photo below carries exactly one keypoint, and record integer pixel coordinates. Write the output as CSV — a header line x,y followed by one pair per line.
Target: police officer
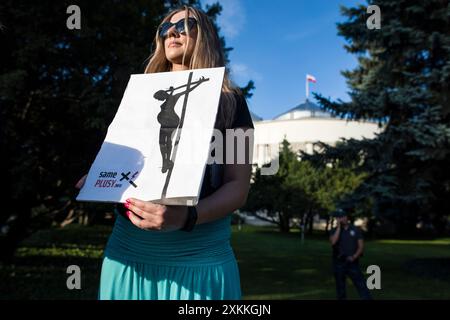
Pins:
x,y
348,245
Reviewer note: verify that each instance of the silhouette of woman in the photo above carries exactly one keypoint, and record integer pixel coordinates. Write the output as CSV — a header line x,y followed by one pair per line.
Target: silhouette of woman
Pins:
x,y
169,120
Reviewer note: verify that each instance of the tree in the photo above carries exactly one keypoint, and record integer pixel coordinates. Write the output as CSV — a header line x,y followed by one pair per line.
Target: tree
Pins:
x,y
325,188
402,82
299,189
274,193
59,90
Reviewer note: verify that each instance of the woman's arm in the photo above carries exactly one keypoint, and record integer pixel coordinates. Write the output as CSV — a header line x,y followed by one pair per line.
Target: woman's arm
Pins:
x,y
229,197
233,193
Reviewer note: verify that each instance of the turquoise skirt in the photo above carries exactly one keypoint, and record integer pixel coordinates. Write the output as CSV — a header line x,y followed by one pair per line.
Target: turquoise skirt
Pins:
x,y
176,265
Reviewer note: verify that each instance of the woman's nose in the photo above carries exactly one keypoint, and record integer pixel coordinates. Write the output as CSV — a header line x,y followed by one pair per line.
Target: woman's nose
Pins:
x,y
172,32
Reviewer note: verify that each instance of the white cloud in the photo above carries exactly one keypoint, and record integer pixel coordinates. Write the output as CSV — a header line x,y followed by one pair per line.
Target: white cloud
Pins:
x,y
241,73
301,35
232,18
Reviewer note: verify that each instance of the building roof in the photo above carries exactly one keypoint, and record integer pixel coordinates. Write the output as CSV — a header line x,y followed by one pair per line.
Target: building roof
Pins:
x,y
304,110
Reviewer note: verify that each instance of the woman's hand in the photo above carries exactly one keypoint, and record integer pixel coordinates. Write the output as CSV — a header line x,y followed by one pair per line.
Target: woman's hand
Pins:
x,y
151,216
81,182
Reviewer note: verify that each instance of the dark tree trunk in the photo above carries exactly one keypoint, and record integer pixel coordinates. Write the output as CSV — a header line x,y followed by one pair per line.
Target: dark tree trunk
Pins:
x,y
17,231
284,222
302,225
327,225
406,221
309,221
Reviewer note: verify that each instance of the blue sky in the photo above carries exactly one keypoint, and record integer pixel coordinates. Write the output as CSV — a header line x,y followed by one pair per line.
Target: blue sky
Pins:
x,y
276,46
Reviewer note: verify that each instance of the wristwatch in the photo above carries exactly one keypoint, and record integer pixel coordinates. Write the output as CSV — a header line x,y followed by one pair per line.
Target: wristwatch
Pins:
x,y
191,219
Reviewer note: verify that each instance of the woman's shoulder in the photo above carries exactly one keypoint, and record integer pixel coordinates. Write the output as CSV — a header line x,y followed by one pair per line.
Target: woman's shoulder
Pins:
x,y
242,117
233,111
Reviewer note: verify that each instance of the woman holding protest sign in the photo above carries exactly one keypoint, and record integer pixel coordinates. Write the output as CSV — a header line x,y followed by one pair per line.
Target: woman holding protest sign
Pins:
x,y
180,252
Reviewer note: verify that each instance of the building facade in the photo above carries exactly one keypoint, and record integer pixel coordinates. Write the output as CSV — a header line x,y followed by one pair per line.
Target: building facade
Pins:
x,y
302,126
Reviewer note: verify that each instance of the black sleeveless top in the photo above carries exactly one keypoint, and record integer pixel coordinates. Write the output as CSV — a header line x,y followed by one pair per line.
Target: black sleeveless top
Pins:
x,y
213,177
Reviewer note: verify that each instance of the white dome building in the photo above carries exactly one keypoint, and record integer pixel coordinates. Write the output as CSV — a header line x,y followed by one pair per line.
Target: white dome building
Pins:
x,y
302,126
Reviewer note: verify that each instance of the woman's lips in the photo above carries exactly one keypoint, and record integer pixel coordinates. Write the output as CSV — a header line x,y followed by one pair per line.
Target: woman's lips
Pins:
x,y
174,44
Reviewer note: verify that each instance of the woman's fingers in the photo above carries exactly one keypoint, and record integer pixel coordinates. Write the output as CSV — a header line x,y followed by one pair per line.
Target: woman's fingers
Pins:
x,y
142,207
81,182
150,215
136,210
139,222
136,220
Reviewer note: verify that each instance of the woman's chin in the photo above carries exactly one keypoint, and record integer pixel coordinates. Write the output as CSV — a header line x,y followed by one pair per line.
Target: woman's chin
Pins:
x,y
176,60
179,60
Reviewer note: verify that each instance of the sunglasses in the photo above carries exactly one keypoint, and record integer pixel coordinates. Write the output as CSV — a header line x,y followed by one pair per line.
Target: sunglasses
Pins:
x,y
179,26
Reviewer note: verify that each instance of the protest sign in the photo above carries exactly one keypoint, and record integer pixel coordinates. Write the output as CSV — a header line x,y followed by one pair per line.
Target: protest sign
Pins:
x,y
158,143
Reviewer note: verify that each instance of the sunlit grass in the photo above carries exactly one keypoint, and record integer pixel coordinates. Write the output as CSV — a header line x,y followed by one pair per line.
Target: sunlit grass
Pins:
x,y
272,265
442,241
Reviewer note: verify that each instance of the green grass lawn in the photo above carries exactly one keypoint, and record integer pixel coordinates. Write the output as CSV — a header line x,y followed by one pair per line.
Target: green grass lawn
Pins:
x,y
272,265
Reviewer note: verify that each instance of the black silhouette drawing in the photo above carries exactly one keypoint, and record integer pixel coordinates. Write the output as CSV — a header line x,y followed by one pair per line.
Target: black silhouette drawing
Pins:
x,y
169,119
171,122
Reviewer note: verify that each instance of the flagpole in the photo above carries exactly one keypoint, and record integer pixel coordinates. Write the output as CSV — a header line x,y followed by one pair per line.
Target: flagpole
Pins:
x,y
307,87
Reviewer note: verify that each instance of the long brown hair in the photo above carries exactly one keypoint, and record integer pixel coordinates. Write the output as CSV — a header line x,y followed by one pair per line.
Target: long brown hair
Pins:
x,y
207,53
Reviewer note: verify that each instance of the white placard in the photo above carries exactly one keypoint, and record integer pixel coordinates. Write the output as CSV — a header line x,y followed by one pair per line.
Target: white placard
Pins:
x,y
158,143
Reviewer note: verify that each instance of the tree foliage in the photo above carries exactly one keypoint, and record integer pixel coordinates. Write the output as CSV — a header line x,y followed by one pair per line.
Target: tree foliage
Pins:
x,y
402,82
59,90
299,190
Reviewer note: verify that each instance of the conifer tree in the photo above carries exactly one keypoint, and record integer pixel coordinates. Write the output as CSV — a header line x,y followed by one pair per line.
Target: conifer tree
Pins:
x,y
402,82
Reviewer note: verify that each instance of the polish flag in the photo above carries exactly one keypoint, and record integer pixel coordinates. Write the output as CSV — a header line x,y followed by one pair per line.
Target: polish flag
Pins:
x,y
310,78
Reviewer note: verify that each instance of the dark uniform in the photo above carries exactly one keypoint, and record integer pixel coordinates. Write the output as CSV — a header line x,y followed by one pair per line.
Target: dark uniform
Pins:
x,y
346,246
